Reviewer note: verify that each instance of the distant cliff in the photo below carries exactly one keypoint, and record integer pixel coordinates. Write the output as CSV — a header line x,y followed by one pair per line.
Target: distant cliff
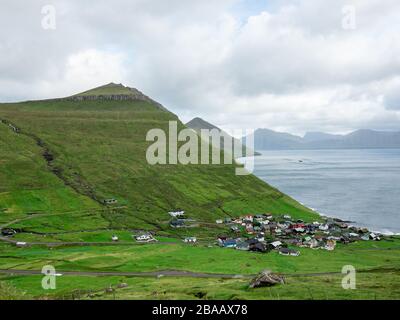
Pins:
x,y
197,124
265,139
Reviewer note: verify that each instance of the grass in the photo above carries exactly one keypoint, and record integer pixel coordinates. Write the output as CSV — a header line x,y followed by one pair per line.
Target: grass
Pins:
x,y
101,146
369,287
99,153
158,257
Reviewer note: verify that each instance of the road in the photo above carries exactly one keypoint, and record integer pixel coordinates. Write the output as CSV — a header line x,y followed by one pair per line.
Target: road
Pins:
x,y
157,274
167,273
81,243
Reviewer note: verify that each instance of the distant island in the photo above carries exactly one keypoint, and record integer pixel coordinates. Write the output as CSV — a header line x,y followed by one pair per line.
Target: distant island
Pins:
x,y
265,139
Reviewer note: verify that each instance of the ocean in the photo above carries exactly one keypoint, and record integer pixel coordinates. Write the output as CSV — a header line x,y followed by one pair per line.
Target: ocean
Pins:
x,y
362,186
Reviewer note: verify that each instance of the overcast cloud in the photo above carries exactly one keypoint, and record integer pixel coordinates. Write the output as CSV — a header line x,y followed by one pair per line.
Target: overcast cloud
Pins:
x,y
284,65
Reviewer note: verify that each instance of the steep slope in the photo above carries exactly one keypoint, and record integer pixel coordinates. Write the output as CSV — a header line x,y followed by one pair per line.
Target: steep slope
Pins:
x,y
99,148
197,124
28,188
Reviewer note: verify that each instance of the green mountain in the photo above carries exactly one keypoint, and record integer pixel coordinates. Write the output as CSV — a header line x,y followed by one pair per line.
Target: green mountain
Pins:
x,y
71,154
61,158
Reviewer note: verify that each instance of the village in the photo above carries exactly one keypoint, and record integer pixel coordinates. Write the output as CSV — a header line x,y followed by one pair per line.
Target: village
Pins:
x,y
260,233
267,232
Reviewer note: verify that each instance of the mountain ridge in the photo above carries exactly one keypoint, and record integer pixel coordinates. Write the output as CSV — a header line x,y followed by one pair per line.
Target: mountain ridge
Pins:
x,y
266,139
98,148
197,124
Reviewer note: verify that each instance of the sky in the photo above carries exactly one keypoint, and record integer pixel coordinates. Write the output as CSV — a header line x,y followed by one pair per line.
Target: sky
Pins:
x,y
286,65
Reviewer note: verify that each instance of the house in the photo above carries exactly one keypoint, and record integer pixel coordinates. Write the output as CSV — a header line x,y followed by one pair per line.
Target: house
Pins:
x,y
221,240
365,237
374,237
7,232
235,229
114,238
190,240
288,232
219,221
323,227
176,214
248,218
297,226
283,225
313,244
177,223
249,229
229,243
258,247
307,239
243,246
289,252
110,201
260,237
146,237
330,245
342,225
227,220
287,217
276,244
21,244
345,240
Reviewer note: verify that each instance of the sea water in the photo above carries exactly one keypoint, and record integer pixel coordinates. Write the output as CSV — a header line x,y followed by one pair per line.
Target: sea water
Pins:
x,y
362,186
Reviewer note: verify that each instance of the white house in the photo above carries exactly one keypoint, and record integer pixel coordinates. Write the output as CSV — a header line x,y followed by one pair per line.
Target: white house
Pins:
x,y
219,221
276,244
176,214
145,238
190,240
21,244
114,238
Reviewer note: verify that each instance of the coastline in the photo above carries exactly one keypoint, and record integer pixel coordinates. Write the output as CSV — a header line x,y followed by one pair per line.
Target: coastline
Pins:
x,y
350,221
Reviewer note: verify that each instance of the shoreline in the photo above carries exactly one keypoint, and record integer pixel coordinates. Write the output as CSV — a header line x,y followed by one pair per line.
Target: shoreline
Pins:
x,y
357,224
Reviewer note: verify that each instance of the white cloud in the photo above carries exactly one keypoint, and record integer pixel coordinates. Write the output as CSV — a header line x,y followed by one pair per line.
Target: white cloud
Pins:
x,y
294,68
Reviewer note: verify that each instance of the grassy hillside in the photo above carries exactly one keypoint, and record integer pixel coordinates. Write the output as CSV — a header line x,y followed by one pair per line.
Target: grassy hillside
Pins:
x,y
99,151
70,154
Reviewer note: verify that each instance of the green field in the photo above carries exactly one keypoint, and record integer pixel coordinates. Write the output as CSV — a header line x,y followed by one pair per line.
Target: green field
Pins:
x,y
97,152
